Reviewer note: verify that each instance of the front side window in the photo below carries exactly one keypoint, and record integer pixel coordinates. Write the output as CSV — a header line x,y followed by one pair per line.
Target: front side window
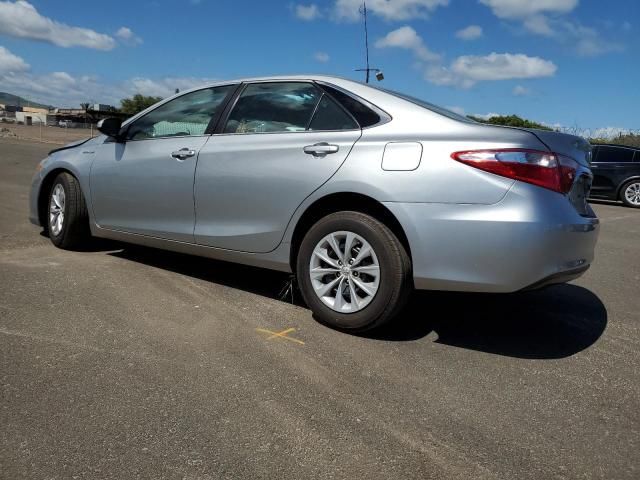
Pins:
x,y
273,107
187,115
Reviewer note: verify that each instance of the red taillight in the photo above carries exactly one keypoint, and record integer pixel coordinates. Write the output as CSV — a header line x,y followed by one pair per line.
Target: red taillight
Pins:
x,y
545,169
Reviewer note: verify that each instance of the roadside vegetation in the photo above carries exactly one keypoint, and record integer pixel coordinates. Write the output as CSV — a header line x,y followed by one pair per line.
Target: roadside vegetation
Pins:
x,y
510,121
137,103
628,139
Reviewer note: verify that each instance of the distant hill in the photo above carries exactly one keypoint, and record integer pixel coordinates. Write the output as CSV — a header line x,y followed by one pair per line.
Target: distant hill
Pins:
x,y
10,99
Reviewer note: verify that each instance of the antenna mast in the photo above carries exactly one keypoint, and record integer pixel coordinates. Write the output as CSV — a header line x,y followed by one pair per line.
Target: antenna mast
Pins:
x,y
366,37
367,70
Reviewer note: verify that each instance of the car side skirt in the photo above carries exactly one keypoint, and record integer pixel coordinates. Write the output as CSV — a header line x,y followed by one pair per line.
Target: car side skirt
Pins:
x,y
278,259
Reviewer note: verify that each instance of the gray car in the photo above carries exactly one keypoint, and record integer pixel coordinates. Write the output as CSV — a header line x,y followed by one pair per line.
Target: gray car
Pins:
x,y
364,193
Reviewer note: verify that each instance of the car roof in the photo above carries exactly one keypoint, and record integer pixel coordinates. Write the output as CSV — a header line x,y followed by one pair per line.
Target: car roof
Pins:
x,y
393,105
317,77
384,101
614,145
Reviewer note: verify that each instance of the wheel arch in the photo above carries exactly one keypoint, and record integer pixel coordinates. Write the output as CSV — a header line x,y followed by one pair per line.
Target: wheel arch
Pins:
x,y
43,193
623,183
344,201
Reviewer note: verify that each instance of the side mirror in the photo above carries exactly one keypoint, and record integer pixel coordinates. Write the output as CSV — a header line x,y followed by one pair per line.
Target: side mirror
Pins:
x,y
110,127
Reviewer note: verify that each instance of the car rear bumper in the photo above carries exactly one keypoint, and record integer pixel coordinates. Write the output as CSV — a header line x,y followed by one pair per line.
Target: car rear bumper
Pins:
x,y
531,238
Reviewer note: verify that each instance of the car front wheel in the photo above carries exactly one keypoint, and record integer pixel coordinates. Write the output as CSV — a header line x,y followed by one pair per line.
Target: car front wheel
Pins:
x,y
353,272
68,220
630,193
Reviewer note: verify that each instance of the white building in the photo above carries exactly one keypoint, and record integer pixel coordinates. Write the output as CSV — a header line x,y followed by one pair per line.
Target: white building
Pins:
x,y
31,118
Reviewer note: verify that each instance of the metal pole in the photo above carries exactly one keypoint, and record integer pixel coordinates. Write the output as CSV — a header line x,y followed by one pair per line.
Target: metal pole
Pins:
x,y
366,39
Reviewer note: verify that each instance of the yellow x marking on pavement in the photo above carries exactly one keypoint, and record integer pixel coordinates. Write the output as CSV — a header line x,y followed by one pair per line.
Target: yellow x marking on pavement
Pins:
x,y
283,334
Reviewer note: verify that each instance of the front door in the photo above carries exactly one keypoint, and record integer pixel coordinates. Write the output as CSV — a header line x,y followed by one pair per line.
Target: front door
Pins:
x,y
144,185
281,142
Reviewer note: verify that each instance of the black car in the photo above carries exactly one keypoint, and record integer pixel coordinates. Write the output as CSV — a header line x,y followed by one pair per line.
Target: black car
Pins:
x,y
616,173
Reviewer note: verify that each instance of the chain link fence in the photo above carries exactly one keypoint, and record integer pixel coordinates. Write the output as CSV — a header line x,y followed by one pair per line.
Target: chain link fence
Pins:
x,y
60,134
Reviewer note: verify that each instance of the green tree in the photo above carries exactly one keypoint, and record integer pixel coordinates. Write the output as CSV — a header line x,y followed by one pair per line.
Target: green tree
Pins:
x,y
137,103
511,121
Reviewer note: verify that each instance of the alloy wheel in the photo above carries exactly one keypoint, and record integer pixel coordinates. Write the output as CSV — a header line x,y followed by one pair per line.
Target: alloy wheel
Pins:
x,y
344,271
56,209
632,194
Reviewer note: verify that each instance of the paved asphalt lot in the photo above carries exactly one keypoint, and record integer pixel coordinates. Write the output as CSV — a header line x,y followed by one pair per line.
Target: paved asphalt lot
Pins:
x,y
124,362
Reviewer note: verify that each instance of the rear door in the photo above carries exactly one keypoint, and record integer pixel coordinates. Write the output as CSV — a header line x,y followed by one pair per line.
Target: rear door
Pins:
x,y
610,167
281,141
144,185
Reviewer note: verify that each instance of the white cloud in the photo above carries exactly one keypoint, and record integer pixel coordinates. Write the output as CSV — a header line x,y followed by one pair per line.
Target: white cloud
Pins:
x,y
65,90
321,57
502,66
163,87
519,9
466,71
486,116
471,32
443,76
407,38
21,19
457,109
539,24
587,41
10,63
541,17
127,36
388,9
307,12
520,91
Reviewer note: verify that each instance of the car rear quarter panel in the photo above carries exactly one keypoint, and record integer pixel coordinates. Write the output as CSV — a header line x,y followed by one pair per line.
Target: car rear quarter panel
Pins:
x,y
438,178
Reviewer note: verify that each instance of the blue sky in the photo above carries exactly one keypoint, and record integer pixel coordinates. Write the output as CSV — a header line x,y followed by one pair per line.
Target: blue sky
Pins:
x,y
566,62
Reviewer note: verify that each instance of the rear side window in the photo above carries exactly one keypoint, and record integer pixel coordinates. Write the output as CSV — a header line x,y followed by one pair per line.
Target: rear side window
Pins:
x,y
331,116
273,107
614,155
363,114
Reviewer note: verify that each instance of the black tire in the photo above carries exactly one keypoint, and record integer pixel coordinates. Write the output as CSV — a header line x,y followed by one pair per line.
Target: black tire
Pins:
x,y
623,196
395,282
75,232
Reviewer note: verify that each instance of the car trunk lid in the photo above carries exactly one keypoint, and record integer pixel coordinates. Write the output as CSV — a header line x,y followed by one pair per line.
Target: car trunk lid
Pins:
x,y
570,145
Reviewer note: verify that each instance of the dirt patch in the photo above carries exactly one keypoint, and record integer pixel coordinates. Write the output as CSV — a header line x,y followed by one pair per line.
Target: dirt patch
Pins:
x,y
44,134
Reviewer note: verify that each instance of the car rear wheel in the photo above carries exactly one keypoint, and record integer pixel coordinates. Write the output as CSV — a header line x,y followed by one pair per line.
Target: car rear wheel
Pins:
x,y
67,217
353,272
630,193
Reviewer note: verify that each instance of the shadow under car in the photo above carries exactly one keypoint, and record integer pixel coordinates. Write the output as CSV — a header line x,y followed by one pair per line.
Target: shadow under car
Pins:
x,y
555,322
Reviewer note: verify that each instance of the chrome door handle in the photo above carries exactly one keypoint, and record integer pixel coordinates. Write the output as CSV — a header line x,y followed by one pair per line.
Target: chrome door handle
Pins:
x,y
183,153
320,149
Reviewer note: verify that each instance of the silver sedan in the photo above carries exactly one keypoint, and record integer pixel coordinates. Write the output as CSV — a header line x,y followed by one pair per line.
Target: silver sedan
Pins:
x,y
363,193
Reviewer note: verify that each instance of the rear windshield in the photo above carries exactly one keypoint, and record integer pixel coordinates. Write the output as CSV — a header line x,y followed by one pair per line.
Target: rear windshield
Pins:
x,y
428,106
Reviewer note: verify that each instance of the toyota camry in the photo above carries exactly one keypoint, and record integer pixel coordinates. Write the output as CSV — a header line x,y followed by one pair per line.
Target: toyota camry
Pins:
x,y
363,193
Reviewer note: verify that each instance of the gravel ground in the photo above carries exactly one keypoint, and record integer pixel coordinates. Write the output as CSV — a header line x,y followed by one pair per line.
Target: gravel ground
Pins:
x,y
124,362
